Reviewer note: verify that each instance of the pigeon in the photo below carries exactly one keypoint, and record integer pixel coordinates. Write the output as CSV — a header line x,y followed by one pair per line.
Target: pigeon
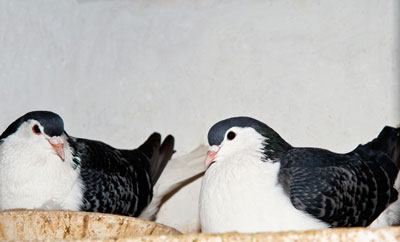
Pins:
x,y
42,167
257,182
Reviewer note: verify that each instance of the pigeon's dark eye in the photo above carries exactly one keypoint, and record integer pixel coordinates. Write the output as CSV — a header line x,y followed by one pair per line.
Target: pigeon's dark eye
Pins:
x,y
231,135
36,129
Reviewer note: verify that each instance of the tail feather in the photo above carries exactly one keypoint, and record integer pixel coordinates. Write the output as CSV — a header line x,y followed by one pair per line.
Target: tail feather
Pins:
x,y
385,149
159,154
151,146
388,142
165,153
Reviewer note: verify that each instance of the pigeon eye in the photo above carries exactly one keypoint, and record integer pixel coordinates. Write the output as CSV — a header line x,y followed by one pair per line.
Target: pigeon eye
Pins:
x,y
231,135
36,129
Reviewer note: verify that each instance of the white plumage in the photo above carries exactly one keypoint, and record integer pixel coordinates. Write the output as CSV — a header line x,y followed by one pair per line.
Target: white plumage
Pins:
x,y
32,175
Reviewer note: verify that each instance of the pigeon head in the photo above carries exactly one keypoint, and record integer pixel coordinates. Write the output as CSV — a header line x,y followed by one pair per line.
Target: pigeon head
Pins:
x,y
240,135
39,128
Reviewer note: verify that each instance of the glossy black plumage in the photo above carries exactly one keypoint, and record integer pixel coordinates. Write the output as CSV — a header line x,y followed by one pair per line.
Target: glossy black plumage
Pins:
x,y
118,181
343,190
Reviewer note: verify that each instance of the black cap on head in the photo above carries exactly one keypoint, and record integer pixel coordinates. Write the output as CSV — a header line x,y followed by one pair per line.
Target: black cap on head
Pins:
x,y
218,130
52,123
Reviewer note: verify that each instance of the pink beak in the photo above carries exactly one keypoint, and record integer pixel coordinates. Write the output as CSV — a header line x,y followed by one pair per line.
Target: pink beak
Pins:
x,y
212,152
57,143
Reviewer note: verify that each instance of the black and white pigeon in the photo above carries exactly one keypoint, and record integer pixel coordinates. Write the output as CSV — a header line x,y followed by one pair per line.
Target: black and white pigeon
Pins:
x,y
255,181
42,167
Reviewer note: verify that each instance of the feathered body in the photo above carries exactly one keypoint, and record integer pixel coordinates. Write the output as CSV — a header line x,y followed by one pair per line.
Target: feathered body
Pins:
x,y
258,182
41,166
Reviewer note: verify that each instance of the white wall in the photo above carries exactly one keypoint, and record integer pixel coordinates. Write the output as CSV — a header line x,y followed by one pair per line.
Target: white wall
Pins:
x,y
321,73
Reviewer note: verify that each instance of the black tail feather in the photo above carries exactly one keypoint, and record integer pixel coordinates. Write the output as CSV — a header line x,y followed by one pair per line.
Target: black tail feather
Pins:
x,y
388,142
165,153
159,154
385,149
150,146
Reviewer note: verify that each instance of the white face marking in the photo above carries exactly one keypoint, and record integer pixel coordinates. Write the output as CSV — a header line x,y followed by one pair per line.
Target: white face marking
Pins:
x,y
245,141
26,132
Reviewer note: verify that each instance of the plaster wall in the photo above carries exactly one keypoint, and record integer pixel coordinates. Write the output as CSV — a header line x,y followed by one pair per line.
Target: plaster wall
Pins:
x,y
321,73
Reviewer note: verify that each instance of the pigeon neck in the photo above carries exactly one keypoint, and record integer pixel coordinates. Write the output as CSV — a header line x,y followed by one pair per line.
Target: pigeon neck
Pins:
x,y
76,160
274,146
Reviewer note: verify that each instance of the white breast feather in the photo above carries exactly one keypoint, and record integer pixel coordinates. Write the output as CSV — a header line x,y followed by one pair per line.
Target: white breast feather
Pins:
x,y
247,198
31,177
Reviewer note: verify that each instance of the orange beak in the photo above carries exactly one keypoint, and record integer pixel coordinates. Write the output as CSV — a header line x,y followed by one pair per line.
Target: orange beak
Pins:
x,y
58,145
211,153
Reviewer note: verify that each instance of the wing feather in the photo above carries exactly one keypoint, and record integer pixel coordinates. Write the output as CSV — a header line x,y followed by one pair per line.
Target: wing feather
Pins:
x,y
116,181
342,190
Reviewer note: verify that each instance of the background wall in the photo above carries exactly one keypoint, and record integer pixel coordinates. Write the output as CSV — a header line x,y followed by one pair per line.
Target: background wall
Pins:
x,y
321,73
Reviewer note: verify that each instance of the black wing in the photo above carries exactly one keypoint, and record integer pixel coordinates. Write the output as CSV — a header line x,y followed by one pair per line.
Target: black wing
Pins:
x,y
115,181
343,190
